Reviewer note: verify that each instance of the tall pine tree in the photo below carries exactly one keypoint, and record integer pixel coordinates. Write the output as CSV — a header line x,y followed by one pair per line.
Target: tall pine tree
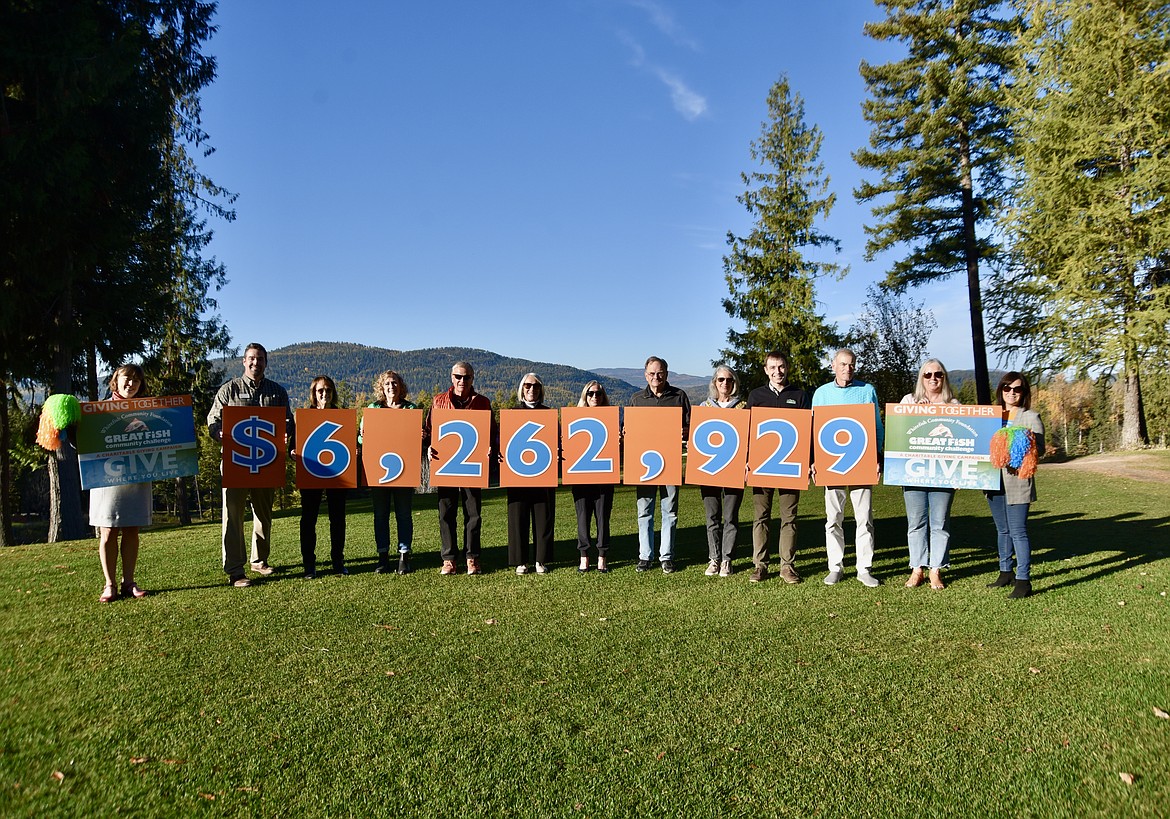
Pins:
x,y
1091,218
939,141
770,280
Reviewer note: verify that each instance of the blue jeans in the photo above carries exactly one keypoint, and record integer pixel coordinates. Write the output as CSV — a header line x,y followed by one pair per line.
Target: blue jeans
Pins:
x,y
1011,524
923,507
646,497
401,499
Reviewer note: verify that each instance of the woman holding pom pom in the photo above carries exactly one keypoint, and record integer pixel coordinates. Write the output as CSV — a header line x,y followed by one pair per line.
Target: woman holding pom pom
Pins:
x,y
1015,449
119,511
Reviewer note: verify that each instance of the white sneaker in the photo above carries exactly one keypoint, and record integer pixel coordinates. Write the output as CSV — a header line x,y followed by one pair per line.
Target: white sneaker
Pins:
x,y
725,568
868,579
541,568
712,568
521,569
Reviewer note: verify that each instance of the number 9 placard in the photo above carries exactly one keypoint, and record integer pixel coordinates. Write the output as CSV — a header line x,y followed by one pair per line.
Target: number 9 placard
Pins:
x,y
717,455
528,444
326,443
845,445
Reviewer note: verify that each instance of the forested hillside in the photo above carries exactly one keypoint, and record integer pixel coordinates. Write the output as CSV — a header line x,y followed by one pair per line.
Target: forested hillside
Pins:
x,y
426,370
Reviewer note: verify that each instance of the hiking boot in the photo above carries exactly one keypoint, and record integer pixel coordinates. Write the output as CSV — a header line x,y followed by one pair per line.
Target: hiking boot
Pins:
x,y
789,575
759,575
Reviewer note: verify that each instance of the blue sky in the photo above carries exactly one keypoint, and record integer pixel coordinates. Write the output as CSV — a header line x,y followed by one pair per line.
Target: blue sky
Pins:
x,y
549,179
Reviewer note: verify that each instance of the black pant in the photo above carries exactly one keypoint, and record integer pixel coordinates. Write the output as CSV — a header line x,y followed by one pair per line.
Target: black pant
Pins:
x,y
531,509
310,508
449,501
593,501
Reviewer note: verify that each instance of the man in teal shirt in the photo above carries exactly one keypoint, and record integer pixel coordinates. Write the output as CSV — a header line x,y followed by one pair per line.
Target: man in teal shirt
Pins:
x,y
845,389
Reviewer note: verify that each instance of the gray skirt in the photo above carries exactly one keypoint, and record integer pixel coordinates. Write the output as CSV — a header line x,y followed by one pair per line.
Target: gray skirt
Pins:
x,y
116,507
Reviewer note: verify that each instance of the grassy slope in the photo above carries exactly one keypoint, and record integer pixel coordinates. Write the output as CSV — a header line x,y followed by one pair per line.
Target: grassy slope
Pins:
x,y
601,695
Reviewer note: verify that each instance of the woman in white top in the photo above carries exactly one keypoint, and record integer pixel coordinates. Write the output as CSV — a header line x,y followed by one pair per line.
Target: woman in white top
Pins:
x,y
928,509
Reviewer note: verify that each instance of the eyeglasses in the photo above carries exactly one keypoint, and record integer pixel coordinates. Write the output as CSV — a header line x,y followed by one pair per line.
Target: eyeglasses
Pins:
x,y
460,376
723,380
1017,390
530,386
934,375
594,393
656,374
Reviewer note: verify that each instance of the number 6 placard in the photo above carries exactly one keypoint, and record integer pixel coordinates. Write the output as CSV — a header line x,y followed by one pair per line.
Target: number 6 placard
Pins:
x,y
462,438
528,443
779,453
845,445
326,443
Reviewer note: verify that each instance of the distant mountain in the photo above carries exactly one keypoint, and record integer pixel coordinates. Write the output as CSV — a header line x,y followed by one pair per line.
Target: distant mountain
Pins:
x,y
695,386
295,366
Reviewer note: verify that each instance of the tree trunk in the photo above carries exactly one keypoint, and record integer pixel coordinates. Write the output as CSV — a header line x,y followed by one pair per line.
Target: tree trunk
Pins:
x,y
6,534
971,253
1133,421
182,507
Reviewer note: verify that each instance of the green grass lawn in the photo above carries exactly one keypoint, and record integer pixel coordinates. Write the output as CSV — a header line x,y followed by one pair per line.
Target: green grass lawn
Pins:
x,y
601,695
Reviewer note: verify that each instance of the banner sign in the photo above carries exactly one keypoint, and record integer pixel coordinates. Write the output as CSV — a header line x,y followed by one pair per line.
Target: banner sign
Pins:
x,y
392,446
253,441
135,440
529,447
592,446
326,443
845,445
463,439
780,449
718,450
653,446
941,445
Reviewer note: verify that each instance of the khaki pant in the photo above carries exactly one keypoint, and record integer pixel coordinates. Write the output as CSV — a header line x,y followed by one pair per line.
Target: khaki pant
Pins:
x,y
233,527
762,508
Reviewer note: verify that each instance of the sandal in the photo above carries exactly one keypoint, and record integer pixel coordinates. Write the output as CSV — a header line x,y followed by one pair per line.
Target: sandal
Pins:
x,y
108,594
915,578
131,590
601,567
584,566
936,581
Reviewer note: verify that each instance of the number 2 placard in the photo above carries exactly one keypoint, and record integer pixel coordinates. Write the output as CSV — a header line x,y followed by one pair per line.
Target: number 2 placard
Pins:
x,y
780,450
592,445
845,445
462,438
253,447
326,442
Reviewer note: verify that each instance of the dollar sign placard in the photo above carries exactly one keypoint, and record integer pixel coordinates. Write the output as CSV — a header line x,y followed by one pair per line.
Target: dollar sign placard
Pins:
x,y
253,447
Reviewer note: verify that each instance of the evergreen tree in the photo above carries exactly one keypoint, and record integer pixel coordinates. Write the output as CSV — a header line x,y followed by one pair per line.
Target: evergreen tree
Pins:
x,y
1091,220
939,142
770,280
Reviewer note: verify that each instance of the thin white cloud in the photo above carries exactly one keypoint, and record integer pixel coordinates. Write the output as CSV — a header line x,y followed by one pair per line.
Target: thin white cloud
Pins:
x,y
663,20
687,102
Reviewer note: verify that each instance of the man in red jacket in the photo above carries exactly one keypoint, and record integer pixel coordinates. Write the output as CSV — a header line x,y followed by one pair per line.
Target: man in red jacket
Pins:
x,y
461,396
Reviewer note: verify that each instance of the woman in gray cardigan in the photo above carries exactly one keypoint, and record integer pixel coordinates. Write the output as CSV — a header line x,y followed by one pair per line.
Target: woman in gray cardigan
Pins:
x,y
1009,505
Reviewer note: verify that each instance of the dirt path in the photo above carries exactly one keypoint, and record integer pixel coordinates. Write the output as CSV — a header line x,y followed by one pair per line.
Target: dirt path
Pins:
x,y
1138,466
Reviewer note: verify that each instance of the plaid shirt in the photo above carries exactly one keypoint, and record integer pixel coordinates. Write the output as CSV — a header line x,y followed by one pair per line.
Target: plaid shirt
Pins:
x,y
244,392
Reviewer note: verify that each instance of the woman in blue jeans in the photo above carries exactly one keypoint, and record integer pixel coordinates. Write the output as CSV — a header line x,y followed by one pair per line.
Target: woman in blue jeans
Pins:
x,y
1009,504
390,392
928,510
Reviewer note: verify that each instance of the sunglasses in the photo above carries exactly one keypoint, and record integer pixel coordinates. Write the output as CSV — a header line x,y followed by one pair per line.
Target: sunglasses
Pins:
x,y
723,380
594,393
934,375
530,386
1017,390
460,376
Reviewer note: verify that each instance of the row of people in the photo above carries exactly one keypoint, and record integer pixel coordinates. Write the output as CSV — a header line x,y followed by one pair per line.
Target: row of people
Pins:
x,y
531,511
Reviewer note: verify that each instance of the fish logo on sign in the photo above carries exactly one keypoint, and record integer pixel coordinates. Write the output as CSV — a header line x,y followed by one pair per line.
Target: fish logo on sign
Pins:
x,y
941,431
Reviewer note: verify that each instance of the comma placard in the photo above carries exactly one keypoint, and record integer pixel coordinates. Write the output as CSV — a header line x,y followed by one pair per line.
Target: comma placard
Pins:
x,y
392,447
653,446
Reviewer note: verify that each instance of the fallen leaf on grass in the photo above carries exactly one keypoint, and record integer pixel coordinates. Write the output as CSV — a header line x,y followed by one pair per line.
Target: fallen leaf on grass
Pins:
x,y
210,796
390,673
172,762
247,789
1127,778
660,754
388,628
1121,602
60,777
491,621
602,619
542,682
1034,670
60,567
832,616
138,760
1160,714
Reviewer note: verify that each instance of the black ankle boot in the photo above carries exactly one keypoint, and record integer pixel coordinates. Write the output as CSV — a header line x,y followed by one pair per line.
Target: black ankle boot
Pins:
x,y
1004,579
403,563
383,564
1021,588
